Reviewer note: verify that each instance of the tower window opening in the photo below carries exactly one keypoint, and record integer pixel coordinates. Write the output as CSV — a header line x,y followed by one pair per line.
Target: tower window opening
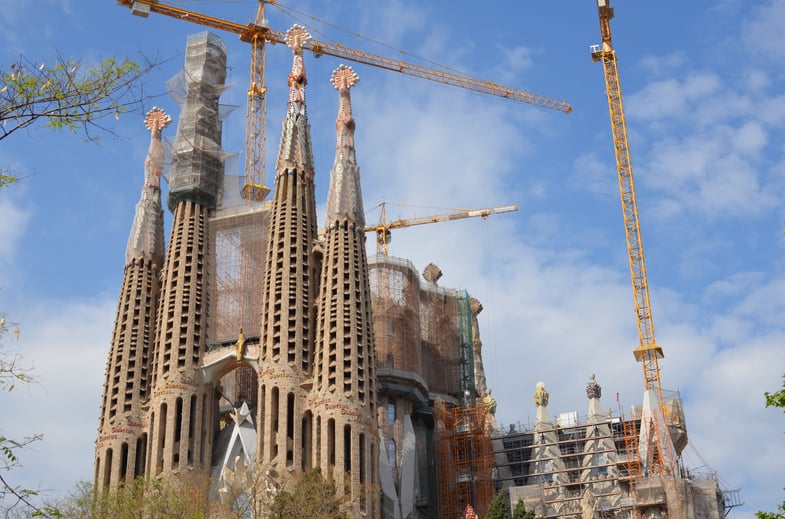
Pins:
x,y
331,449
123,461
289,429
107,468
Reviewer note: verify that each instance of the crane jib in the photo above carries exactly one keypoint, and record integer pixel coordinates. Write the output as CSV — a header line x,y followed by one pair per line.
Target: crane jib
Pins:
x,y
248,32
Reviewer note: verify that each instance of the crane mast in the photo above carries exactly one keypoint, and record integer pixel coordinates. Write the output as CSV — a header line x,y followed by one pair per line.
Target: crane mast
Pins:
x,y
648,352
256,119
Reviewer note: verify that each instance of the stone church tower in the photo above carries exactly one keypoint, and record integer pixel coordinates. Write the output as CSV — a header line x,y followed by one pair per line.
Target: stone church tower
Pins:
x,y
289,287
180,406
122,433
251,341
157,409
174,383
344,395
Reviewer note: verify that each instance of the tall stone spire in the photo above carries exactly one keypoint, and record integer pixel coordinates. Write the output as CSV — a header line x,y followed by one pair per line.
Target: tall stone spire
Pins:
x,y
181,406
344,395
344,199
147,232
599,451
289,288
548,464
122,443
594,393
295,150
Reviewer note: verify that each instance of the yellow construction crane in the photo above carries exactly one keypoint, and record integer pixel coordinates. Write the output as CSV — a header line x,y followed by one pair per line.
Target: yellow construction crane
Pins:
x,y
259,33
660,453
383,228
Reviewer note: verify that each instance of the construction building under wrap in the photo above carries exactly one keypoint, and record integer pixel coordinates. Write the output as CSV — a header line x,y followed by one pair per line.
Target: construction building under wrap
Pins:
x,y
252,339
592,467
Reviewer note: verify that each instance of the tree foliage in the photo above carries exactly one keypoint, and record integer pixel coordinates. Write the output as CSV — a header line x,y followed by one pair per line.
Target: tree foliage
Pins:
x,y
6,179
521,512
307,496
779,514
78,98
68,95
13,372
498,508
182,498
776,399
311,497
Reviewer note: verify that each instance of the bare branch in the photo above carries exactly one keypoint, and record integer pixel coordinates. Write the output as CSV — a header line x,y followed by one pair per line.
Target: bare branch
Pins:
x,y
70,96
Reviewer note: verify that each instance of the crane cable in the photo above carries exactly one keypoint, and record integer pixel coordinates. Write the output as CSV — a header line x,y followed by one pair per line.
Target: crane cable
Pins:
x,y
288,11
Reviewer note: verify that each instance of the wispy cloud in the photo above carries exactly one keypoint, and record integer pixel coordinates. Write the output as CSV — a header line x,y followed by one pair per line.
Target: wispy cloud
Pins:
x,y
671,98
761,31
67,343
15,216
392,22
711,173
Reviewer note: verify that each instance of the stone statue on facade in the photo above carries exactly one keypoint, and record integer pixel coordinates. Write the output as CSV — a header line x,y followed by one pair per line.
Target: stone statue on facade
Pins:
x,y
541,395
593,389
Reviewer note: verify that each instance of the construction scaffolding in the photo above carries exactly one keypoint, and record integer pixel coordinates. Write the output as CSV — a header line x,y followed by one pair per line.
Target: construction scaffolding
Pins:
x,y
576,467
239,239
423,331
425,354
439,311
239,236
465,345
197,159
395,288
464,460
236,233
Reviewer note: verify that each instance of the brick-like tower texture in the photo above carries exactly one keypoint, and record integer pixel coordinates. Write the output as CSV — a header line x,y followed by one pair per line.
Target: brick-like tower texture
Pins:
x,y
181,406
289,287
167,396
122,441
344,398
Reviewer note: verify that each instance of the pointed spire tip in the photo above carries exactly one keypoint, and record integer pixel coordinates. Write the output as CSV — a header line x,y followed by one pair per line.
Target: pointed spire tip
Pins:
x,y
344,77
296,37
157,119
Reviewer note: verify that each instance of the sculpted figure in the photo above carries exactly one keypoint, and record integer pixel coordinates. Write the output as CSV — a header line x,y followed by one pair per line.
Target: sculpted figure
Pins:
x,y
541,395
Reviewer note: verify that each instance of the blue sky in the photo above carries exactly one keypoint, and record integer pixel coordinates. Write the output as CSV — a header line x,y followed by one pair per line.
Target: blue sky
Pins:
x,y
704,93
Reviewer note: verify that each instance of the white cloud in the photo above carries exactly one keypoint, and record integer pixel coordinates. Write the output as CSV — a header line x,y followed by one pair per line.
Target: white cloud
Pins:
x,y
711,173
391,22
14,217
440,149
517,60
750,138
762,30
671,98
661,65
757,80
592,174
67,343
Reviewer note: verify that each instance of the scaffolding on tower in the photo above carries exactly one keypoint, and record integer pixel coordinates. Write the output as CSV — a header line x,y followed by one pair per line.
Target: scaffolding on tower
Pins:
x,y
464,459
